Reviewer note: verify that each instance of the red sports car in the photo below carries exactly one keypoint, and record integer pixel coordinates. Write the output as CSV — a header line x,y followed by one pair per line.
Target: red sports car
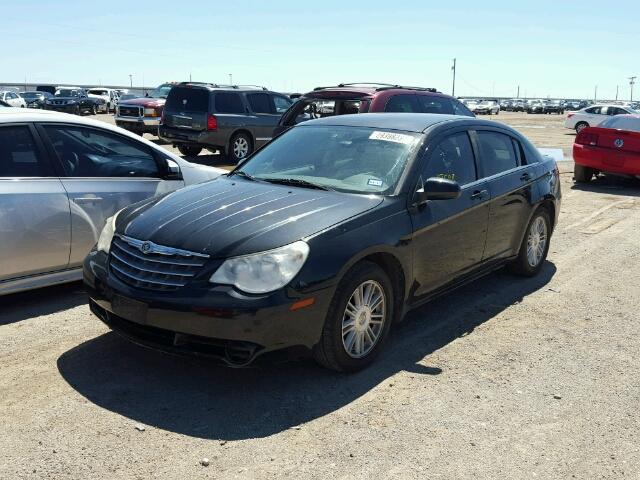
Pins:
x,y
611,147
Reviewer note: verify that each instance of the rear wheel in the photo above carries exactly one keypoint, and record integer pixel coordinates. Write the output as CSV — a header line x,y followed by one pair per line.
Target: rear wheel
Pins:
x,y
94,110
582,174
189,150
240,147
581,126
535,245
358,319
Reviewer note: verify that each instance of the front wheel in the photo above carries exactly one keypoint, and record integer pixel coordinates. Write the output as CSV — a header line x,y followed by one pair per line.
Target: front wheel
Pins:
x,y
94,110
189,150
358,319
535,245
581,126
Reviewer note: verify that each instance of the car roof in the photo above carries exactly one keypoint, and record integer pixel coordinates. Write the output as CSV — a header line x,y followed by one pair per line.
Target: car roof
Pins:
x,y
408,122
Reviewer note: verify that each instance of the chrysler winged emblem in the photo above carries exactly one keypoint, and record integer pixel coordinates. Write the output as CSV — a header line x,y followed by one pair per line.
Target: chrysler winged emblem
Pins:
x,y
618,142
145,247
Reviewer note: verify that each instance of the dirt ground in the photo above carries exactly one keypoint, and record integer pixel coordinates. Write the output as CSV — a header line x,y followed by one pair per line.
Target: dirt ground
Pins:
x,y
505,378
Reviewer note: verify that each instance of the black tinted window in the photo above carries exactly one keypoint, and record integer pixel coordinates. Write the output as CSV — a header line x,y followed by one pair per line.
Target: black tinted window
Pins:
x,y
460,109
402,103
261,103
453,159
496,153
18,157
229,102
188,99
594,110
429,104
86,152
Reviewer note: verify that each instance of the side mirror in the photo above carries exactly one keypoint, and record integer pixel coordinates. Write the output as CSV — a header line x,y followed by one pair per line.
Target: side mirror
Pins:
x,y
436,188
173,170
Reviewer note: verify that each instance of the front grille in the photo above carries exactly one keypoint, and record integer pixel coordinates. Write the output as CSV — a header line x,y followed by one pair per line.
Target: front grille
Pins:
x,y
60,102
153,267
127,111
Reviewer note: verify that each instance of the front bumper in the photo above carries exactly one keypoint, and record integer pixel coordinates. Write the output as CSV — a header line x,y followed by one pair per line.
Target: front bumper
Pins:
x,y
139,124
62,108
205,319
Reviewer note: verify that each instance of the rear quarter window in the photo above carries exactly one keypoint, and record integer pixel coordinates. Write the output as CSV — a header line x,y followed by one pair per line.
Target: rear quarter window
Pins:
x,y
188,99
228,102
431,104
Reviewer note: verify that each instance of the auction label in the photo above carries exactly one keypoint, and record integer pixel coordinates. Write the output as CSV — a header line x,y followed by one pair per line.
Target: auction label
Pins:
x,y
392,137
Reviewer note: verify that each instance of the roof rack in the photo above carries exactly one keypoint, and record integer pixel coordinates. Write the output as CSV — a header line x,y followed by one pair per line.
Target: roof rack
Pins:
x,y
218,85
379,86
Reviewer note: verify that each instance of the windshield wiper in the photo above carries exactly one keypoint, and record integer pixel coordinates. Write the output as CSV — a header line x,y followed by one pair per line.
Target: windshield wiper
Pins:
x,y
296,182
242,174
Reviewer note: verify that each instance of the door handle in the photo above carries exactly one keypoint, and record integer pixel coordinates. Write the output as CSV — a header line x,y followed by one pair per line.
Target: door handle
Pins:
x,y
525,177
80,200
478,194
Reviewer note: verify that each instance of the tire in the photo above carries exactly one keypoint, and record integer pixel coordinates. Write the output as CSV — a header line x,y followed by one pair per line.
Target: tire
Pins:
x,y
358,347
189,150
533,252
582,174
580,126
94,109
240,147
76,110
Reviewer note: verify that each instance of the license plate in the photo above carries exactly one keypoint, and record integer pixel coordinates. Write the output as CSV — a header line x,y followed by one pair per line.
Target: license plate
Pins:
x,y
182,121
129,309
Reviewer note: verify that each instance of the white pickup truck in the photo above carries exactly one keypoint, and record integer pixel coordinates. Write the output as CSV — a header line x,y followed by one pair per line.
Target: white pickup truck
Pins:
x,y
109,95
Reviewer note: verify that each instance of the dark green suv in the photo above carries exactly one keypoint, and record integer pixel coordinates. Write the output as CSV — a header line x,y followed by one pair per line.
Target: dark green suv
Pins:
x,y
233,119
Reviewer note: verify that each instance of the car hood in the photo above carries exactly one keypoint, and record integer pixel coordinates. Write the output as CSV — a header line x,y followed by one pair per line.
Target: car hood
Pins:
x,y
145,102
232,216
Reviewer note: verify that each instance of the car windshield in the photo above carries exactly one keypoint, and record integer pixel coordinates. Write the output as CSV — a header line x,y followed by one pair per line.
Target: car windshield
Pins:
x,y
622,122
162,91
31,95
64,92
98,92
348,159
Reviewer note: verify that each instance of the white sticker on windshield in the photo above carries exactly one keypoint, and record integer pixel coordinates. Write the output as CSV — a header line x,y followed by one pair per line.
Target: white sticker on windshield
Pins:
x,y
392,137
374,182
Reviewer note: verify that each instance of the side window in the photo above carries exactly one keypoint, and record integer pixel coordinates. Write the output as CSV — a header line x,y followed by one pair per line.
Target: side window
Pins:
x,y
496,153
282,103
432,104
402,103
261,103
86,152
228,102
18,154
453,159
596,110
12,96
460,109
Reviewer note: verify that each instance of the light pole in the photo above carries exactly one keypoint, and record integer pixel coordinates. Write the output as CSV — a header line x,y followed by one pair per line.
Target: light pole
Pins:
x,y
632,81
453,88
231,79
595,94
617,86
131,80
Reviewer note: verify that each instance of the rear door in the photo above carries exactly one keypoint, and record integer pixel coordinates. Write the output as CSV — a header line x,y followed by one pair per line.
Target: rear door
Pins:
x,y
511,182
102,173
35,229
449,235
263,117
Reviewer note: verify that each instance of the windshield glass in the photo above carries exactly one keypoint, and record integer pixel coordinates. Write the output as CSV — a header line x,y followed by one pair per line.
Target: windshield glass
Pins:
x,y
31,95
162,91
65,92
348,159
98,92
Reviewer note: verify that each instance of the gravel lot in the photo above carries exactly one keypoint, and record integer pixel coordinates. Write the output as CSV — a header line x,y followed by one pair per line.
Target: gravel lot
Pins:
x,y
505,378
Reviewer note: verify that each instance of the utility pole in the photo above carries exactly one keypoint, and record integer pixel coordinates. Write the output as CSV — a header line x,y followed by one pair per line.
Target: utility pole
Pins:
x,y
617,86
231,79
632,81
595,94
518,94
453,88
131,80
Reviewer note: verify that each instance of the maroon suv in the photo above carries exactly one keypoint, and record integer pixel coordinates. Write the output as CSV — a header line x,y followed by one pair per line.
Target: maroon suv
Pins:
x,y
349,98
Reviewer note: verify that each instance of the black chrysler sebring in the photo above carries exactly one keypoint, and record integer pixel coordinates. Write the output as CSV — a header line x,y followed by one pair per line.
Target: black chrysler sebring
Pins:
x,y
325,237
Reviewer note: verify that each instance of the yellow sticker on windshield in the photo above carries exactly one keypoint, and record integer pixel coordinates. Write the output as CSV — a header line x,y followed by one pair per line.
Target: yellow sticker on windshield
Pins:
x,y
392,137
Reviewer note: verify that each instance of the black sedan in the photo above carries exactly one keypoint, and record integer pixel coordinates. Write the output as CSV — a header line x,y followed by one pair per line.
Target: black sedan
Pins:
x,y
325,237
73,100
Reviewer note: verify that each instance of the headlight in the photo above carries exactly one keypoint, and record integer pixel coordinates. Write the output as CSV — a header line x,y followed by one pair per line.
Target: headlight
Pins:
x,y
150,112
265,271
70,102
104,242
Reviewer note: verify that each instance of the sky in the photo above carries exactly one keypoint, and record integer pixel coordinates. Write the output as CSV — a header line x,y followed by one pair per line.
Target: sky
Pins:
x,y
555,48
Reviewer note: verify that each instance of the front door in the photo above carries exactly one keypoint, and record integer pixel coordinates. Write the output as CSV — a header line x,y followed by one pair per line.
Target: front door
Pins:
x,y
264,116
449,235
35,231
103,173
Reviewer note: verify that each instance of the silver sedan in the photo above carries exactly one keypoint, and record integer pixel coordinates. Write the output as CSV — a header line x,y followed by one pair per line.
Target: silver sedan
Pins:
x,y
61,177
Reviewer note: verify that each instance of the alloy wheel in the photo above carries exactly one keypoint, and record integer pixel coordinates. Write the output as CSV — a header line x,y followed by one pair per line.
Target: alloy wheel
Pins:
x,y
536,241
363,319
240,147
